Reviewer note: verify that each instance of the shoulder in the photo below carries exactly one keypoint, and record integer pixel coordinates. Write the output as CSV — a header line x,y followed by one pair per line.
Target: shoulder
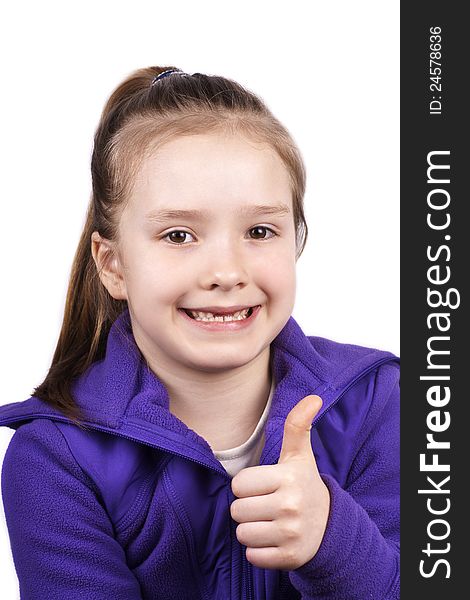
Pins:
x,y
350,366
331,363
39,442
341,356
364,418
336,350
374,393
362,378
37,459
110,466
39,473
365,400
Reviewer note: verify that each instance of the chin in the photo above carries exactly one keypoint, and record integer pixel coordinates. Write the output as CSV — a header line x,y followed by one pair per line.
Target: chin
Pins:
x,y
221,362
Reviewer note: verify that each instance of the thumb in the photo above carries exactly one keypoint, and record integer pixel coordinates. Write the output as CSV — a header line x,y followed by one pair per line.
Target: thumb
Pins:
x,y
296,440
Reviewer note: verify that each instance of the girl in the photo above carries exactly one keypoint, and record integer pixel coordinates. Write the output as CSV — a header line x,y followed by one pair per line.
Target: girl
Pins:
x,y
189,440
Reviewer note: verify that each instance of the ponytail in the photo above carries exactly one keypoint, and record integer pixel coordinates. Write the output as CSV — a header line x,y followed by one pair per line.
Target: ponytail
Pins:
x,y
88,315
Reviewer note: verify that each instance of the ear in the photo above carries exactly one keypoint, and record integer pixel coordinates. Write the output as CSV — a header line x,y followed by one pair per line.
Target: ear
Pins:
x,y
108,266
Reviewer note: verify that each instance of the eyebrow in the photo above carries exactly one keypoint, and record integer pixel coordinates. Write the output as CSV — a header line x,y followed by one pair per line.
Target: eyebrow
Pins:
x,y
162,215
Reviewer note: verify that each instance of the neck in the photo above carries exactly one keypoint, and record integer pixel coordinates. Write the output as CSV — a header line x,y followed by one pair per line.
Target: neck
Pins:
x,y
223,407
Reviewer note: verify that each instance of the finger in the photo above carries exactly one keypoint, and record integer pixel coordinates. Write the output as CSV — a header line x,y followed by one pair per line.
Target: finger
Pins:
x,y
258,535
267,558
296,440
256,481
256,508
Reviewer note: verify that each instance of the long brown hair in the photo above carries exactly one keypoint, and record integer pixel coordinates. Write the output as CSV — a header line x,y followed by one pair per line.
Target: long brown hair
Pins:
x,y
139,115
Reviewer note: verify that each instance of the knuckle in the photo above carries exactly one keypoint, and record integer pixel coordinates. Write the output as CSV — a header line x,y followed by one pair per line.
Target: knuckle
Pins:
x,y
289,479
290,508
290,531
293,427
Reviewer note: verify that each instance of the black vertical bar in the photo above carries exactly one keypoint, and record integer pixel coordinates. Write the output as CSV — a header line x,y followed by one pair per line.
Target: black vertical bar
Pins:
x,y
435,268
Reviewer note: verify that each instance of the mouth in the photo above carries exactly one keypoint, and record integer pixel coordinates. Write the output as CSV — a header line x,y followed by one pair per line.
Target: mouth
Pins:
x,y
220,314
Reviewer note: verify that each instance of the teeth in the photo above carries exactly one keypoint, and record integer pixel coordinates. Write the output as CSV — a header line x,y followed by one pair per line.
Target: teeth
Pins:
x,y
202,316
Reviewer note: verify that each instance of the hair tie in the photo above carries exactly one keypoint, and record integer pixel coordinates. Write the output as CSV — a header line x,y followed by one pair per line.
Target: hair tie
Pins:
x,y
166,73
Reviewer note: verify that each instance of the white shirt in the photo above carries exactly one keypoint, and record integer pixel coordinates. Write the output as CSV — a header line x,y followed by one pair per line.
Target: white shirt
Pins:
x,y
248,453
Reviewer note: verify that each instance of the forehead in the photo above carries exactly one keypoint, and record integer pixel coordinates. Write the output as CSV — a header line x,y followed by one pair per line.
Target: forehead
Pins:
x,y
204,170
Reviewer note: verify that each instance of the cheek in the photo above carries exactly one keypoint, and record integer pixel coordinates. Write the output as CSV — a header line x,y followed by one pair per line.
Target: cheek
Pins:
x,y
279,282
151,279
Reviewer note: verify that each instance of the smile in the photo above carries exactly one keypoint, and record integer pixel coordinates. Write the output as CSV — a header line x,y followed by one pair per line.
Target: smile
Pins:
x,y
213,321
215,317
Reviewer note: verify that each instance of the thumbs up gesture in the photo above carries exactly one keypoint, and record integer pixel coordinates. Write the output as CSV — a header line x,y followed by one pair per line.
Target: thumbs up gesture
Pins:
x,y
282,509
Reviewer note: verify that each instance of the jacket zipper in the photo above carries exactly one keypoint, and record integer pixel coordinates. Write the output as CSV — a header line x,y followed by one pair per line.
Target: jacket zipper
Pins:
x,y
249,579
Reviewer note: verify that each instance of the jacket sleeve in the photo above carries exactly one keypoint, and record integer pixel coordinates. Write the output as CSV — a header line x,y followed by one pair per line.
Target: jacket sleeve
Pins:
x,y
60,534
358,558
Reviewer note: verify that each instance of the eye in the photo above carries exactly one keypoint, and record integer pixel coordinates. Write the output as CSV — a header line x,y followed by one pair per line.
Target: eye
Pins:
x,y
177,237
259,232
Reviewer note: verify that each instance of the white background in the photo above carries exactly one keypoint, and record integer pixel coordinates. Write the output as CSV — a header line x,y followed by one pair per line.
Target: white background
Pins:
x,y
328,70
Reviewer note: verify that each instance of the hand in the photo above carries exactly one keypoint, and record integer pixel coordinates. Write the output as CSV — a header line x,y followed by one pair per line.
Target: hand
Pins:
x,y
283,509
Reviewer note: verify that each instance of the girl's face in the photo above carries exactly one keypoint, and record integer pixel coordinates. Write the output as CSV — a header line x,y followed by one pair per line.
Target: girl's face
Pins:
x,y
209,226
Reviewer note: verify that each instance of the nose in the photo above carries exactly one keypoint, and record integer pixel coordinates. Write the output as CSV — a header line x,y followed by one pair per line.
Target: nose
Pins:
x,y
224,268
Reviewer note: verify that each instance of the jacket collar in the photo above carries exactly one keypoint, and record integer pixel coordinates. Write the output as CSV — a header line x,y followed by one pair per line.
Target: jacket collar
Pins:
x,y
121,394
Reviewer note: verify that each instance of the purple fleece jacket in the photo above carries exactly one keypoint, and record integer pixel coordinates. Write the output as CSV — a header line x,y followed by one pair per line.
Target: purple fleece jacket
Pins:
x,y
137,506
